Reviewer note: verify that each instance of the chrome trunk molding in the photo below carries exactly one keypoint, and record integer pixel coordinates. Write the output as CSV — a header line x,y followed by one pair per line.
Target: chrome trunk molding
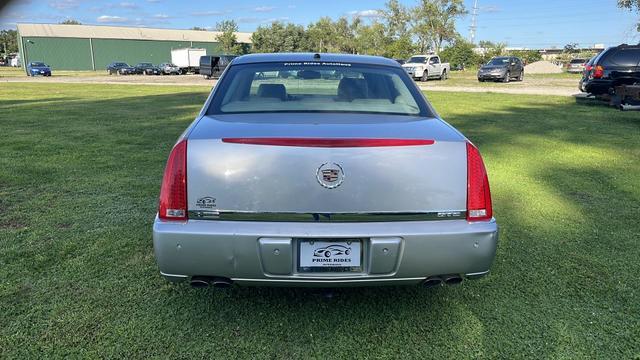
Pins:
x,y
324,217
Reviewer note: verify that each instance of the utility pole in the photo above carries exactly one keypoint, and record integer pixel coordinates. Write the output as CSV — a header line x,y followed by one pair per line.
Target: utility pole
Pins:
x,y
474,22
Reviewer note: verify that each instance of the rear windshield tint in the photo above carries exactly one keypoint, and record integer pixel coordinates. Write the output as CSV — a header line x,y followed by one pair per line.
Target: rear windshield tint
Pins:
x,y
317,87
623,57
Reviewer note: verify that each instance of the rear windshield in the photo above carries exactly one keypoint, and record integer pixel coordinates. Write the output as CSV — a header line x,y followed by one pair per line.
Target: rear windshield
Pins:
x,y
624,57
37,64
577,61
317,87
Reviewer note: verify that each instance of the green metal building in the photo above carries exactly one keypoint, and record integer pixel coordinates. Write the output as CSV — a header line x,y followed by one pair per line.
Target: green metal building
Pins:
x,y
88,47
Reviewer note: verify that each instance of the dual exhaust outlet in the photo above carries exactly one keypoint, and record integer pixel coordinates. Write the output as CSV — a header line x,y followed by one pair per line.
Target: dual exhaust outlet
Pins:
x,y
200,282
451,279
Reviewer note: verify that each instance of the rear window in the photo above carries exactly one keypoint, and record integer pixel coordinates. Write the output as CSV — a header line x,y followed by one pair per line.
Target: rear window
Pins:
x,y
577,61
623,57
317,87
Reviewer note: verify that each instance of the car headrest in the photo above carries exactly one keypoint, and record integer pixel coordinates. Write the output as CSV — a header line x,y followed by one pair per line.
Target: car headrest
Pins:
x,y
350,88
277,91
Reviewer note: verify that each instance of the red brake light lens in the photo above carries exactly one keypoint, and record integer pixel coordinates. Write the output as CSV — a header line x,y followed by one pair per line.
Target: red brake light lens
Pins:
x,y
478,193
329,142
173,193
598,72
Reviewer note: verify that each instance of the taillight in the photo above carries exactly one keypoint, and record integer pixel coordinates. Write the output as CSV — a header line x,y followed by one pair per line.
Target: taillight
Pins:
x,y
598,72
173,193
478,193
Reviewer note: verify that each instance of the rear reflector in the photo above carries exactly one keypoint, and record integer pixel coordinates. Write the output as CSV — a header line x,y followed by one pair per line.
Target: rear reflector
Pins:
x,y
478,193
329,143
173,193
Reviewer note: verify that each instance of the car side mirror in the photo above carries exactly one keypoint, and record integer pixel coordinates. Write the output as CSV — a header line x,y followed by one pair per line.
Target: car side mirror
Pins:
x,y
512,64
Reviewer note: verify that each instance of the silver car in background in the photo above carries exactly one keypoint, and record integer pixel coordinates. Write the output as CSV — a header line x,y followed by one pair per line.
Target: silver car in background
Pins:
x,y
322,170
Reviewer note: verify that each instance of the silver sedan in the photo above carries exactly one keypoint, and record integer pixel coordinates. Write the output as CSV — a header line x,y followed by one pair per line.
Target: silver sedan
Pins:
x,y
338,174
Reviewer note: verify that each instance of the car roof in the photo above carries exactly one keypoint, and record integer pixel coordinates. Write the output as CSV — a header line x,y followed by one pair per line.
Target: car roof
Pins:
x,y
301,57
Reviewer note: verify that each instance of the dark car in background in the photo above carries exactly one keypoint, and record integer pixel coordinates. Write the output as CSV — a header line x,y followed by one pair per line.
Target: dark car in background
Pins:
x,y
169,69
502,68
585,72
147,69
619,65
35,68
120,68
576,66
213,66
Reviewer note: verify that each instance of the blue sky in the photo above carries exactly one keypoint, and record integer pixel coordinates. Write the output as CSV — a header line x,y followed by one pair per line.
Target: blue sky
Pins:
x,y
519,23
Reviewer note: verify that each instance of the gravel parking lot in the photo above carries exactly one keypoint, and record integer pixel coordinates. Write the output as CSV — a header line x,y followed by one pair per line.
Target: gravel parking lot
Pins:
x,y
548,84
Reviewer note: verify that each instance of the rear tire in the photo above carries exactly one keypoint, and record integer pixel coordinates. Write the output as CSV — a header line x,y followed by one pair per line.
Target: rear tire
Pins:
x,y
521,76
507,77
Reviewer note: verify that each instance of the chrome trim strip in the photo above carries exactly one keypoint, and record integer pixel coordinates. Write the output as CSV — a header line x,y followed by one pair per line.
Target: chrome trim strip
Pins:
x,y
333,217
328,280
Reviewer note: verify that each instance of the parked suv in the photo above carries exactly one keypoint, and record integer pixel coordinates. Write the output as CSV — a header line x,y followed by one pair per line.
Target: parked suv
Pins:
x,y
214,66
120,68
615,66
503,68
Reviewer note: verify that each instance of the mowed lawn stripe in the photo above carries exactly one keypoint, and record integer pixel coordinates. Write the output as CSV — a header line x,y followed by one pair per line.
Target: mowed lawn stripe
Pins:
x,y
80,172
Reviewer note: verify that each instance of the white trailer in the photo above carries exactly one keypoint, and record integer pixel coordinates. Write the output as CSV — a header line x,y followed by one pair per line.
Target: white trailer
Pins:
x,y
187,59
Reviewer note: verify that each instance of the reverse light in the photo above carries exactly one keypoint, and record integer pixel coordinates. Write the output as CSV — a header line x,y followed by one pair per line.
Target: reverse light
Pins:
x,y
478,193
598,72
173,193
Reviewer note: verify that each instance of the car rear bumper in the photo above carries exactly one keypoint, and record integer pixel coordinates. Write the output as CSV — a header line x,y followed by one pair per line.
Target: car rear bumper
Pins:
x,y
265,253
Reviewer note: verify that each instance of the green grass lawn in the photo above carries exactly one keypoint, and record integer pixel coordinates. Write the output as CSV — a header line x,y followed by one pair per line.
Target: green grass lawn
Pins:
x,y
13,72
80,172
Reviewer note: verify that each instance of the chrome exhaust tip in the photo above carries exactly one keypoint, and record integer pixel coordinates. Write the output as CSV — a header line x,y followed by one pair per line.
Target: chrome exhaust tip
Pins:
x,y
432,281
453,279
221,283
199,282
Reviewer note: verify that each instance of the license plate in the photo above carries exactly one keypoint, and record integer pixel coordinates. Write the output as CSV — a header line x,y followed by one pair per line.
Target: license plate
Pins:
x,y
329,255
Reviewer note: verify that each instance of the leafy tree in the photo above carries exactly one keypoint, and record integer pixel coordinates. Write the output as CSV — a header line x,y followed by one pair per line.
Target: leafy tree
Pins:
x,y
198,28
70,22
8,41
372,39
528,56
491,50
280,37
460,53
227,37
631,5
400,48
322,35
434,22
397,18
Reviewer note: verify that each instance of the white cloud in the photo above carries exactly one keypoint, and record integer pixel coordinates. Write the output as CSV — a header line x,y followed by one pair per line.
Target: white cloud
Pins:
x,y
207,13
64,4
264,9
128,5
161,16
247,20
365,13
278,19
490,9
111,19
